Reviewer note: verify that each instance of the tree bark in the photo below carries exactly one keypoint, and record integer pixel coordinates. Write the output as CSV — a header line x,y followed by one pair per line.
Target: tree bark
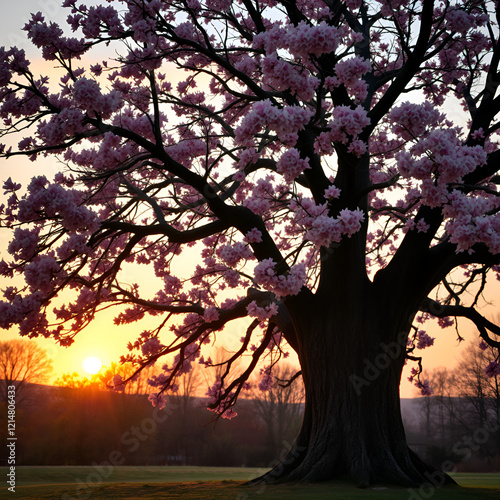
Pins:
x,y
352,356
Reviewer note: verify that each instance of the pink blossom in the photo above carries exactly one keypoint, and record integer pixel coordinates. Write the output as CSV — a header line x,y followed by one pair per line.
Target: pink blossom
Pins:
x,y
211,314
410,120
217,403
214,391
116,383
232,254
422,226
219,5
266,382
280,285
76,243
425,387
349,73
351,221
286,122
323,230
232,278
10,186
446,322
253,236
291,165
158,400
281,75
262,313
460,21
424,340
159,380
331,192
483,345
347,124
493,369
248,156
23,245
151,346
257,204
40,273
87,95
357,147
304,40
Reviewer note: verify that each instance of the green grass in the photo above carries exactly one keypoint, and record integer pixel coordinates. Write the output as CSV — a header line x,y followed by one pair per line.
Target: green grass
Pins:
x,y
30,476
214,483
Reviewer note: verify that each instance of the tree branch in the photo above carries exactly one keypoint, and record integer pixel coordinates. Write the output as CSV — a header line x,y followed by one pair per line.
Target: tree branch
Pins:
x,y
482,324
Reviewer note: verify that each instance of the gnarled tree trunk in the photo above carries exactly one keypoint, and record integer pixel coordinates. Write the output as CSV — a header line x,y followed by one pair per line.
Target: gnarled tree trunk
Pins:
x,y
352,357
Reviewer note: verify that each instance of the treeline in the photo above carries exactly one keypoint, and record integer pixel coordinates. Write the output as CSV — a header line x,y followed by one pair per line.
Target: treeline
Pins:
x,y
460,421
68,426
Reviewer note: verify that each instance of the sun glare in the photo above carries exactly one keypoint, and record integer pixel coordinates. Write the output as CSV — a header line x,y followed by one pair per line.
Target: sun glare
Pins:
x,y
92,365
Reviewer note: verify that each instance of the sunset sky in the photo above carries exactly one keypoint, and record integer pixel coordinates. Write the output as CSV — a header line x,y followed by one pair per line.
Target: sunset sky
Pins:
x,y
106,341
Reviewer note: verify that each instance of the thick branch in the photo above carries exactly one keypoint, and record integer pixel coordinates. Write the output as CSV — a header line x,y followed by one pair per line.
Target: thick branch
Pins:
x,y
482,324
407,72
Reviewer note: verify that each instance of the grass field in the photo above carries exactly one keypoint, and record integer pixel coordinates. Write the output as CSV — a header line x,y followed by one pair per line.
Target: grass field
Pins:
x,y
213,483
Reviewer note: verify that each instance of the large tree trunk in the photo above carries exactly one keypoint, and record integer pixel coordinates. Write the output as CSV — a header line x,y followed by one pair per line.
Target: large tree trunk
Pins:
x,y
352,427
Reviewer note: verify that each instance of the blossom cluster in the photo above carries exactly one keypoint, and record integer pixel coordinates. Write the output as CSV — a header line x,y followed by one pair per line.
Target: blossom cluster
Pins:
x,y
214,394
267,381
158,400
287,122
345,128
349,72
470,220
493,369
301,40
440,153
425,386
280,284
262,313
53,200
323,229
424,340
460,21
291,165
231,254
49,37
282,75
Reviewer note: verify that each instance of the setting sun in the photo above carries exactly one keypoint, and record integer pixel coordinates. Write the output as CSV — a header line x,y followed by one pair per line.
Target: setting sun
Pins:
x,y
92,365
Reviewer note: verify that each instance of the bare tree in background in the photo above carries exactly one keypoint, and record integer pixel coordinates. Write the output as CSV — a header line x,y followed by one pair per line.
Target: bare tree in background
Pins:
x,y
480,392
22,362
463,400
439,409
189,387
280,406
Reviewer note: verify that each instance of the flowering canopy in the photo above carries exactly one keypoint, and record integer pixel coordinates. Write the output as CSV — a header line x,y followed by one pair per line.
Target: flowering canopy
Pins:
x,y
264,136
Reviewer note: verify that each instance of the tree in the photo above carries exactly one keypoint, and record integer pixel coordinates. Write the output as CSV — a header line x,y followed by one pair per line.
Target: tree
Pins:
x,y
76,381
299,156
480,392
21,363
278,402
440,411
465,402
